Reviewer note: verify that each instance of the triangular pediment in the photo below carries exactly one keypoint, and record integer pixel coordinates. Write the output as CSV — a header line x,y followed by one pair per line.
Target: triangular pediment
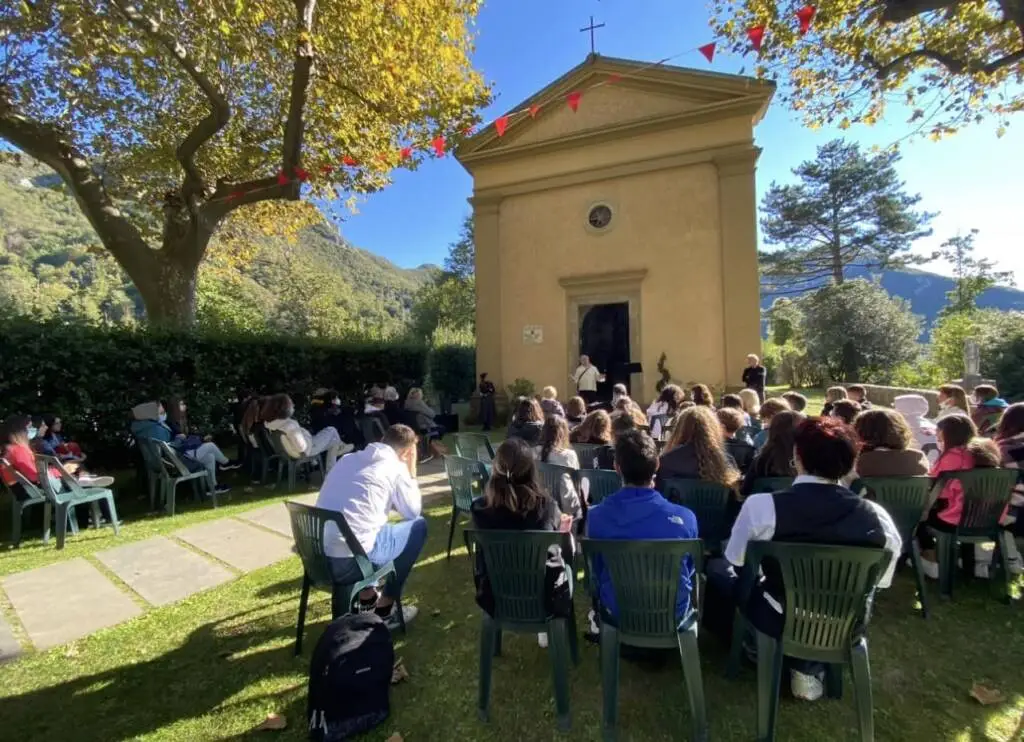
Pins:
x,y
618,96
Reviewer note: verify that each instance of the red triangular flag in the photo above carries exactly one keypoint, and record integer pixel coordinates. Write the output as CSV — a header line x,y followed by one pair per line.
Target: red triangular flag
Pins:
x,y
469,131
805,15
282,179
614,78
326,169
301,173
500,124
349,161
708,50
534,110
573,99
405,153
438,144
756,36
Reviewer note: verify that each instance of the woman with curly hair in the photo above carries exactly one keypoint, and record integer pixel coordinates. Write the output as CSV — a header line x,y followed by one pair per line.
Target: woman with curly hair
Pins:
x,y
595,428
697,450
701,395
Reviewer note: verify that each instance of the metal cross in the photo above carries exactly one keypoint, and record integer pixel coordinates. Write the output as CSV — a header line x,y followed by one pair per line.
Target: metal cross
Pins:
x,y
592,28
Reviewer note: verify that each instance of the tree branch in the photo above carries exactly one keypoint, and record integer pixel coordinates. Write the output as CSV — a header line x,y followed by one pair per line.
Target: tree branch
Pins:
x,y
220,110
897,11
956,66
291,155
46,144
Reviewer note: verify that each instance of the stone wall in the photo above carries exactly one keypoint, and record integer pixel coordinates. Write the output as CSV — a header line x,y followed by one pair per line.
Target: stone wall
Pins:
x,y
885,395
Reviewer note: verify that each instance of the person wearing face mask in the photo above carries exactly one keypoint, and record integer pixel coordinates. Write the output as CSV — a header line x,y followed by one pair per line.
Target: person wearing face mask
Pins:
x,y
151,422
298,441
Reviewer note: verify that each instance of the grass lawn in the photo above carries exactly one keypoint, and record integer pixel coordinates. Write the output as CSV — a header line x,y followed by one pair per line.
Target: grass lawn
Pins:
x,y
213,666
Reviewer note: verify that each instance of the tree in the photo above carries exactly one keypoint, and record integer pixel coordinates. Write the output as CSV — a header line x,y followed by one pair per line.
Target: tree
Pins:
x,y
784,318
974,276
951,61
989,327
450,301
163,119
849,210
858,332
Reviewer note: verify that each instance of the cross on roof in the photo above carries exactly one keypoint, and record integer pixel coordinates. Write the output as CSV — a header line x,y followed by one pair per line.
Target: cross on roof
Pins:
x,y
592,28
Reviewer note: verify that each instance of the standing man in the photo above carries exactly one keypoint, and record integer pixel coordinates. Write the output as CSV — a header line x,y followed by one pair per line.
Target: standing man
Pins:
x,y
365,487
586,378
754,376
486,402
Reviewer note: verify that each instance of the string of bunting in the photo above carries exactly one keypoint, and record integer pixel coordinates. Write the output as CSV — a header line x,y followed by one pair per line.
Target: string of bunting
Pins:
x,y
439,144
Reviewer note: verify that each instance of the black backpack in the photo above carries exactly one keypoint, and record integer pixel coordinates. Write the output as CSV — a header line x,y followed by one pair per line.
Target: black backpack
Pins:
x,y
350,678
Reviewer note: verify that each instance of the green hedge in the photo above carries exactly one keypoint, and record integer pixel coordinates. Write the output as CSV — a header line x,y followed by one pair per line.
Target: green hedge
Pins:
x,y
92,377
452,372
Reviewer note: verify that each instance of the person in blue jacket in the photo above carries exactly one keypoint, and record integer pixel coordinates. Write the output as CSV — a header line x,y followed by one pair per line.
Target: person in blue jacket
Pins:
x,y
638,511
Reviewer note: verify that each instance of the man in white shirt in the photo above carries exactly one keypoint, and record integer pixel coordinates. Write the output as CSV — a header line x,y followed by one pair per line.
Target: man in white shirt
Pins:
x,y
365,487
817,509
586,378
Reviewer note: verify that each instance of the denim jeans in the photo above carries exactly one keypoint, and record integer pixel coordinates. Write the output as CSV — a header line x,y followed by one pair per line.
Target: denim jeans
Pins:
x,y
399,542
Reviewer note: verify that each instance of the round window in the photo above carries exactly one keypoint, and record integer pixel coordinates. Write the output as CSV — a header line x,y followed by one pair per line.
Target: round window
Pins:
x,y
600,216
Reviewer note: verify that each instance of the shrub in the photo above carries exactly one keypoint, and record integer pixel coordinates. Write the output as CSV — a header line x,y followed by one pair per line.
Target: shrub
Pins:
x,y
92,377
1005,360
521,388
452,372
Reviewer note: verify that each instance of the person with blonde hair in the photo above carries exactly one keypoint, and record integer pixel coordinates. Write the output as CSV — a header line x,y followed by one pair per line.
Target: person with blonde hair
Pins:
x,y
697,450
832,395
549,402
769,409
575,411
596,428
751,406
755,376
953,401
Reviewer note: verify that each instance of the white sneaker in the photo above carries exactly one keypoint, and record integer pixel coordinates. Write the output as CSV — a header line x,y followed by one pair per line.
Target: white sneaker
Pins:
x,y
806,687
409,612
930,569
345,448
542,640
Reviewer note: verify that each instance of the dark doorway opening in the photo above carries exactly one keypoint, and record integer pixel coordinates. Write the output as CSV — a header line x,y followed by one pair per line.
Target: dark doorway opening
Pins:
x,y
604,336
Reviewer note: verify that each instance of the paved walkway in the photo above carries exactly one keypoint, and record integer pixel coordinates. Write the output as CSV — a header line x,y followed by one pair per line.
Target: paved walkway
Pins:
x,y
62,602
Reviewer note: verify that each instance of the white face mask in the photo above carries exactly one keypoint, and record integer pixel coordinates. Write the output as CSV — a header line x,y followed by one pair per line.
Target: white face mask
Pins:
x,y
336,402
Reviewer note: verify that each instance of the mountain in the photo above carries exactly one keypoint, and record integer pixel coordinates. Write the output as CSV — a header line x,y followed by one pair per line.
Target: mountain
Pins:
x,y
926,292
51,264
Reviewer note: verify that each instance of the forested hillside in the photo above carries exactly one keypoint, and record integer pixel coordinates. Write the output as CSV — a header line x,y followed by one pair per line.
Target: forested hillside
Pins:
x,y
51,265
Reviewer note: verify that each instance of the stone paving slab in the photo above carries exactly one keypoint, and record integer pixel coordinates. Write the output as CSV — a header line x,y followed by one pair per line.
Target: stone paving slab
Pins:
x,y
275,517
162,571
63,602
242,546
9,646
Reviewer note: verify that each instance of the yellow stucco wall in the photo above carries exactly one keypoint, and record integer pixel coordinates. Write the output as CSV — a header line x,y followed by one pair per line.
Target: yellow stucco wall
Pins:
x,y
683,234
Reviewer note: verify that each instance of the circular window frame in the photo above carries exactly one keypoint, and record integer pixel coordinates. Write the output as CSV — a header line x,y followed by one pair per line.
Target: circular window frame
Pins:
x,y
611,220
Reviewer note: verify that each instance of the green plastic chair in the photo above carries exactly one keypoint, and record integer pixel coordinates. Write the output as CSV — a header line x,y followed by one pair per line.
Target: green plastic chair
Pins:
x,y
645,578
33,496
553,477
293,466
72,494
466,478
176,472
828,592
907,500
585,452
597,484
267,456
308,525
987,493
156,473
515,563
709,502
474,446
772,484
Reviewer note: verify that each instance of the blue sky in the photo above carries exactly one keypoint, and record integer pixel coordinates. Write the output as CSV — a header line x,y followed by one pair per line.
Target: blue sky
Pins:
x,y
973,179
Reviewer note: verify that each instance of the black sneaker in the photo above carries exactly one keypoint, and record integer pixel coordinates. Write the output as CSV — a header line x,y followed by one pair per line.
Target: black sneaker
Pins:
x,y
221,489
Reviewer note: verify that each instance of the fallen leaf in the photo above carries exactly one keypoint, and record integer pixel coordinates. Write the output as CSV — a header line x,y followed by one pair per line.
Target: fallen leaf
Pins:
x,y
986,696
398,672
396,737
272,722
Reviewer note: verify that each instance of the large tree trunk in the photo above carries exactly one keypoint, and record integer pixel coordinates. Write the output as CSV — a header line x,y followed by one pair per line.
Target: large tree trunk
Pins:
x,y
169,292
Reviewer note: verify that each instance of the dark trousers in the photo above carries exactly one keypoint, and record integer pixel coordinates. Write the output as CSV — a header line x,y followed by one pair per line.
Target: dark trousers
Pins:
x,y
589,397
721,600
487,413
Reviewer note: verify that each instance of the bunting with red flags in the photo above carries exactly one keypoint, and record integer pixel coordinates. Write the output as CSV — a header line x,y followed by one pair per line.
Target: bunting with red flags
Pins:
x,y
708,50
805,15
500,124
438,144
756,36
573,99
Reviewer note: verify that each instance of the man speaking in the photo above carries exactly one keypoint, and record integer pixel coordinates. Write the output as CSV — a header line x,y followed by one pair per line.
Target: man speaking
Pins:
x,y
586,378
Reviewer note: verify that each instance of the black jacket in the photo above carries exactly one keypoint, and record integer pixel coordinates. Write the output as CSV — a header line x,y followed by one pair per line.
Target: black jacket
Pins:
x,y
754,378
547,518
528,431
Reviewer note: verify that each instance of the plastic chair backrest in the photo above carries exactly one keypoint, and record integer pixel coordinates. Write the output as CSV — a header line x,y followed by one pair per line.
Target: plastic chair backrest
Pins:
x,y
645,578
515,562
826,593
772,484
474,446
150,454
277,442
987,492
597,484
585,452
552,477
466,477
658,425
372,428
31,489
71,488
173,460
308,524
906,499
265,441
708,501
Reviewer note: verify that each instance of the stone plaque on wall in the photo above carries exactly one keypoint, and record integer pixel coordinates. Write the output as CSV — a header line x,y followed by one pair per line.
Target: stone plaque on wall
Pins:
x,y
533,334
